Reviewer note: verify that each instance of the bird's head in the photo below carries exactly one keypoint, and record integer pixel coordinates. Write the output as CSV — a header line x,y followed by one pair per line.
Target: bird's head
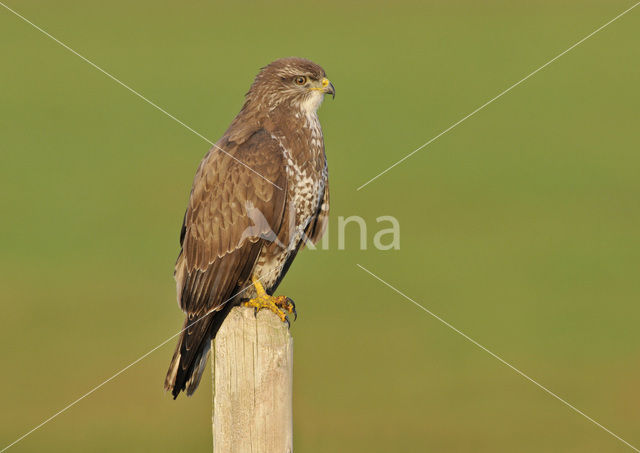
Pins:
x,y
292,83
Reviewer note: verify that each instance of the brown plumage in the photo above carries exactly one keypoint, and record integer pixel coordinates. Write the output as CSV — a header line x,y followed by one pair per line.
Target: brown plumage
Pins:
x,y
251,207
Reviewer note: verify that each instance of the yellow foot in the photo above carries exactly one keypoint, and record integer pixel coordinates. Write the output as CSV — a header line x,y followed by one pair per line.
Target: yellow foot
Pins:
x,y
277,304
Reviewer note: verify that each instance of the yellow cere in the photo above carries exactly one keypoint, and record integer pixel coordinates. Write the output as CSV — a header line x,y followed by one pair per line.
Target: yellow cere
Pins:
x,y
325,82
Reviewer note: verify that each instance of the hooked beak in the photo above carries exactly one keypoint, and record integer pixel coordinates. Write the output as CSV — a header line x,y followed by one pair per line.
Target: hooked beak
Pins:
x,y
328,88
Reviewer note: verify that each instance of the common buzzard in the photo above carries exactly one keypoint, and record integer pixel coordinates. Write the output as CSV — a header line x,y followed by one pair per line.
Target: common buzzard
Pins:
x,y
257,196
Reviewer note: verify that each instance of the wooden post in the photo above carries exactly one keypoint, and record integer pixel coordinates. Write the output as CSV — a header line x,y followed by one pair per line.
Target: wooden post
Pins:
x,y
252,366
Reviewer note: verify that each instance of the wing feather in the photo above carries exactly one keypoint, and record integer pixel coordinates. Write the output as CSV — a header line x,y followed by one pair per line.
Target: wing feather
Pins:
x,y
221,242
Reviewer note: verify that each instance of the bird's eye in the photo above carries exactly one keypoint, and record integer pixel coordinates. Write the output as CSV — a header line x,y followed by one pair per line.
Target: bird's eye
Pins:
x,y
301,80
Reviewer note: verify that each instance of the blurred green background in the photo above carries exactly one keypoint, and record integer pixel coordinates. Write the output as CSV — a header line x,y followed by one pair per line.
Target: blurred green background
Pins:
x,y
520,226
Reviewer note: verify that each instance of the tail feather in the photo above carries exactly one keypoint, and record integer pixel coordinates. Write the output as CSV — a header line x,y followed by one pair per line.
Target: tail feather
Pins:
x,y
198,370
190,357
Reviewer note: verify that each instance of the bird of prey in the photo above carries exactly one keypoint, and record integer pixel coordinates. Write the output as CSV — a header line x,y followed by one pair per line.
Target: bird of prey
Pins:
x,y
257,196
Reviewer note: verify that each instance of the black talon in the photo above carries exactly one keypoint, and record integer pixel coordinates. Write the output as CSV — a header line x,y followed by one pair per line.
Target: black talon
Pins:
x,y
293,304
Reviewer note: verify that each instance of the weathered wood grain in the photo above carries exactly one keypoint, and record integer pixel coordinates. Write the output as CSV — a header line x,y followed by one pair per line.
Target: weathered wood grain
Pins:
x,y
252,366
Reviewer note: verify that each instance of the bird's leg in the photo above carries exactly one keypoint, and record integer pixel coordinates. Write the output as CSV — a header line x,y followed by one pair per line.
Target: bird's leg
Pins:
x,y
278,304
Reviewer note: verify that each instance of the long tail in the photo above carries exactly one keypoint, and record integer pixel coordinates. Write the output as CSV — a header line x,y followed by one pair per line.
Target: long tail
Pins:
x,y
190,358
